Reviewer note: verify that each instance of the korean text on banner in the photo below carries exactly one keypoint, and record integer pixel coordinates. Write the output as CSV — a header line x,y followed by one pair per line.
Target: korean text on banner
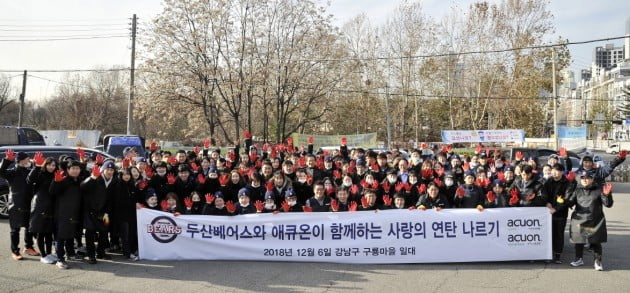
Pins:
x,y
462,136
389,236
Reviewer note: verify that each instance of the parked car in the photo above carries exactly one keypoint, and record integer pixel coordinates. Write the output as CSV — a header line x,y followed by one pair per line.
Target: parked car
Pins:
x,y
114,144
48,151
12,135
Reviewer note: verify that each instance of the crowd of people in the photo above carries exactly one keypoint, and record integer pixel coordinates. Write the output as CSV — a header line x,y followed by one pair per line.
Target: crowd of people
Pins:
x,y
60,200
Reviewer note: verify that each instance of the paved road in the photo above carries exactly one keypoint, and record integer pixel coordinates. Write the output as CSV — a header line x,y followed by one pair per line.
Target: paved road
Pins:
x,y
220,276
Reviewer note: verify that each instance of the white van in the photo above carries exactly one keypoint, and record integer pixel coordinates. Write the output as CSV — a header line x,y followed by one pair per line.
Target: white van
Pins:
x,y
618,146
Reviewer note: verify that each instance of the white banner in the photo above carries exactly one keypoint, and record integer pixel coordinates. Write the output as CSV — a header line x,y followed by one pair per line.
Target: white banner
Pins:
x,y
502,135
389,236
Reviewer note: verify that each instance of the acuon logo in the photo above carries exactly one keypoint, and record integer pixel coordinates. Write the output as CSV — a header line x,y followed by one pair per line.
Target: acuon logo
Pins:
x,y
163,229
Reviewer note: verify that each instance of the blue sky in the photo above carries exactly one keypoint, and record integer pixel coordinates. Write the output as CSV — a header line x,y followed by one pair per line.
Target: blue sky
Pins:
x,y
576,20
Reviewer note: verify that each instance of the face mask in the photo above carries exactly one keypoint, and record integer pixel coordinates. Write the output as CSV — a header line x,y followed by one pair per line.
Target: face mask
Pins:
x,y
89,166
413,181
369,181
547,176
498,165
449,182
347,184
392,179
255,184
152,205
161,173
474,165
245,205
270,206
292,203
414,160
302,180
27,165
118,165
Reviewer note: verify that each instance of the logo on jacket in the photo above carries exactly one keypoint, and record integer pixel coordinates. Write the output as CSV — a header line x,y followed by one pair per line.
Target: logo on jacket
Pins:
x,y
163,229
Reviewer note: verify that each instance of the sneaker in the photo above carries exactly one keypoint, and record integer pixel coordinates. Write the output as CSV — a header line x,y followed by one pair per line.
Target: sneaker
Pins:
x,y
91,260
31,252
578,262
52,258
133,257
62,265
556,259
17,256
598,265
46,260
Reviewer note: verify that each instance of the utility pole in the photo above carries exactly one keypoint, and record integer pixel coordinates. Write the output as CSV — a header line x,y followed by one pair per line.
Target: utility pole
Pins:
x,y
555,99
389,131
22,95
132,74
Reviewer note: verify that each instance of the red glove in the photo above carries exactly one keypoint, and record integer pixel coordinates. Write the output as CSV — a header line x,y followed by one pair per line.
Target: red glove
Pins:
x,y
96,171
423,146
149,172
153,147
81,154
311,140
164,205
562,152
247,134
269,186
352,206
449,148
478,149
466,166
337,174
514,199
59,176
518,156
334,205
99,160
230,207
307,209
172,160
571,176
490,196
427,173
10,155
622,154
126,162
142,185
438,182
260,206
39,159
285,206
530,197
309,180
194,166
607,190
364,202
201,179
289,141
460,192
170,178
375,167
407,187
421,188
501,176
209,198
206,143
224,179
440,172
364,184
196,150
344,141
399,187
188,202
354,189
386,186
387,200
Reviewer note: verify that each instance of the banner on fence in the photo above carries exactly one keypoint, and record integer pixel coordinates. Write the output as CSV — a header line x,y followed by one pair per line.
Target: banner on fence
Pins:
x,y
503,135
365,140
389,236
572,132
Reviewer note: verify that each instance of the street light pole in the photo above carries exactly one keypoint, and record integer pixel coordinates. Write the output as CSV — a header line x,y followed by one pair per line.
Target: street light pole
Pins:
x,y
389,130
555,99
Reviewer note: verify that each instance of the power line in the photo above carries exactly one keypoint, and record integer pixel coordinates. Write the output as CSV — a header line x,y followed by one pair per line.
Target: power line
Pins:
x,y
59,36
63,25
58,82
65,39
65,70
43,30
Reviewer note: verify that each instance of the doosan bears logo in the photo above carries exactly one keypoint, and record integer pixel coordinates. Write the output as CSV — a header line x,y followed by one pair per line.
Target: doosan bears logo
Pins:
x,y
163,229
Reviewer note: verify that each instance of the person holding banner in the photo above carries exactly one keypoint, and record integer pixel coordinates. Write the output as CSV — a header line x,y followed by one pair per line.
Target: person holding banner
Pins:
x,y
215,205
432,199
588,223
469,195
555,191
243,206
291,203
319,202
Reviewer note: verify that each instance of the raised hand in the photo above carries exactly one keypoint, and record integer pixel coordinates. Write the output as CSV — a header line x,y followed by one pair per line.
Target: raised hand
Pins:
x,y
607,190
206,143
196,150
364,202
530,197
344,141
81,154
285,206
172,161
622,154
59,176
142,185
164,205
421,188
260,206
518,156
188,202
39,159
571,176
311,140
153,147
99,160
10,155
307,209
201,179
514,199
230,207
170,178
490,196
209,198
387,200
352,207
96,171
334,205
562,152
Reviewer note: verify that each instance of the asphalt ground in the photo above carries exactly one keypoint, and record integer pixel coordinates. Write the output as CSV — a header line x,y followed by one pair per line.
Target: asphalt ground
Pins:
x,y
120,275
